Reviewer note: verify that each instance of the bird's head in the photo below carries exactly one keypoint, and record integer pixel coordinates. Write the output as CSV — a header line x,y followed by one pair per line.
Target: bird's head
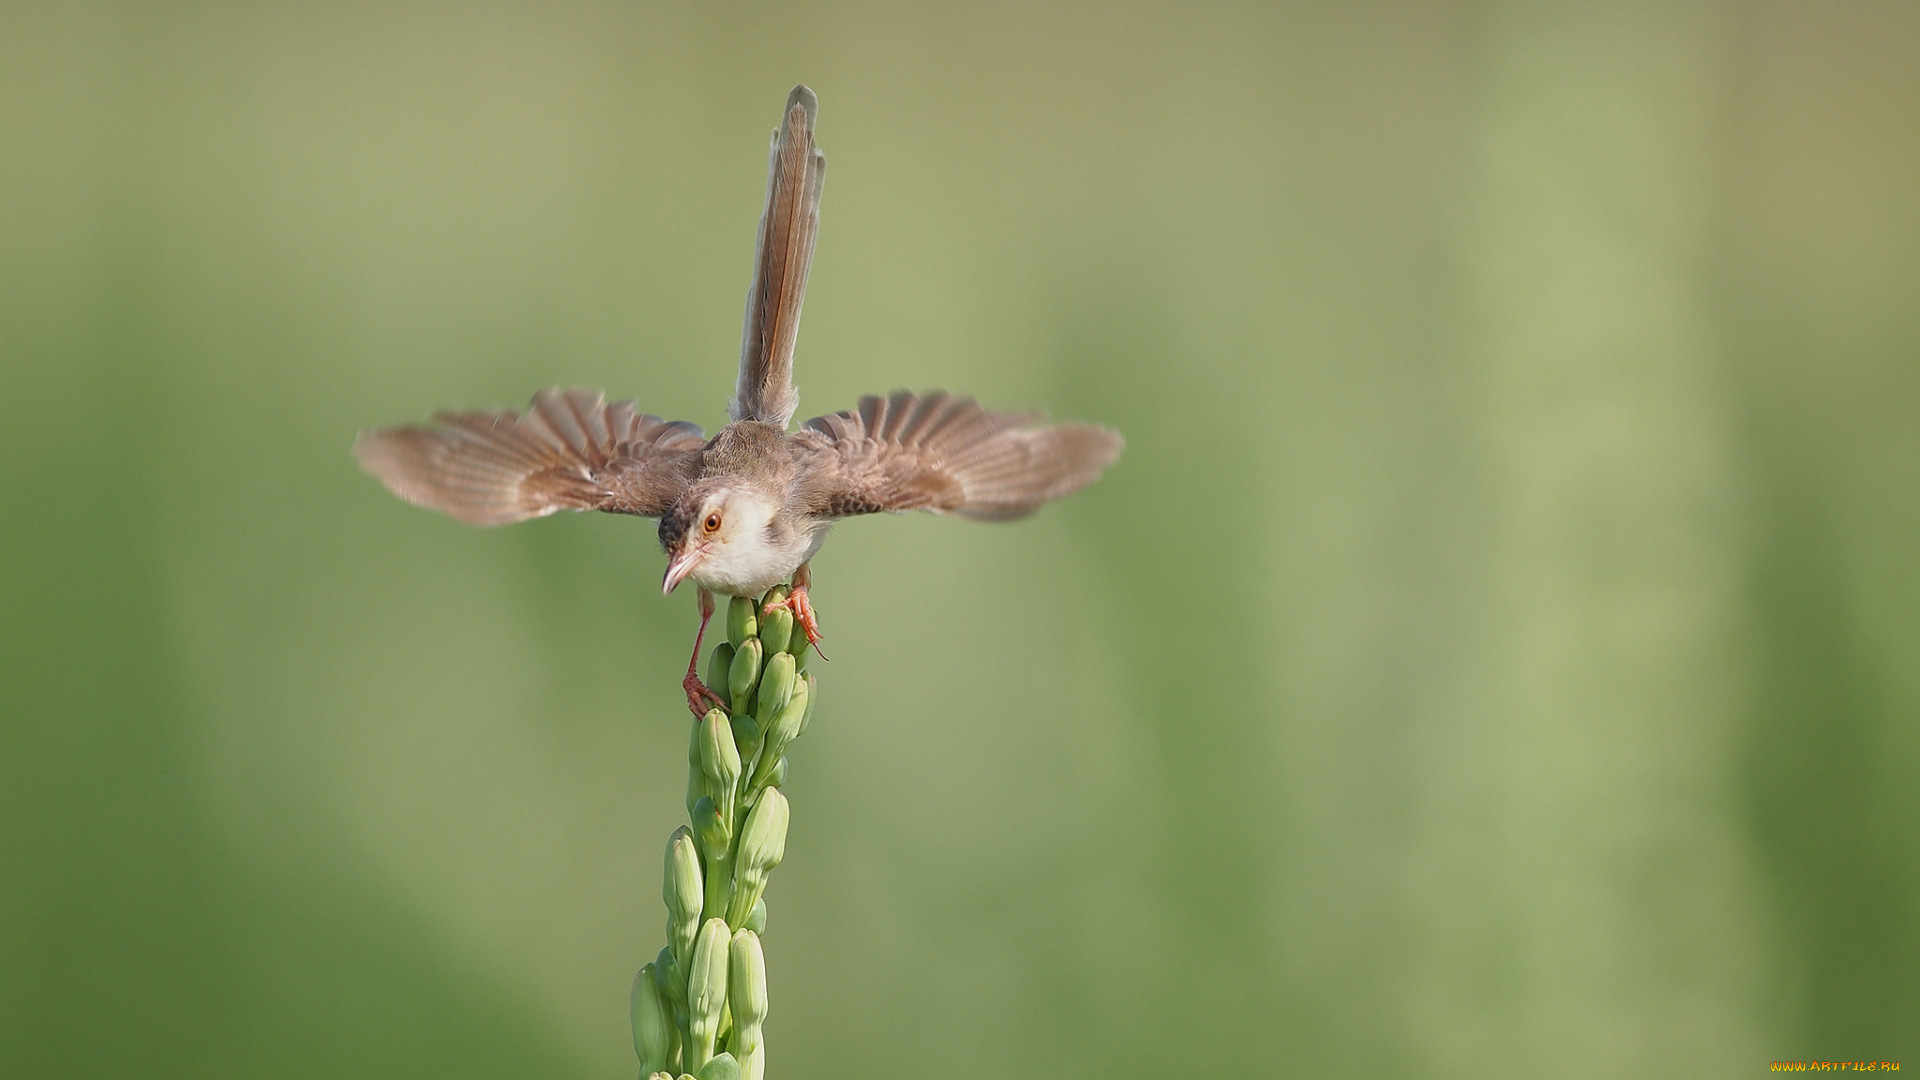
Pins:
x,y
716,534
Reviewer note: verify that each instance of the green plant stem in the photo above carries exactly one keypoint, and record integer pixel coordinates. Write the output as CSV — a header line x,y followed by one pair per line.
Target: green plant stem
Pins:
x,y
687,1018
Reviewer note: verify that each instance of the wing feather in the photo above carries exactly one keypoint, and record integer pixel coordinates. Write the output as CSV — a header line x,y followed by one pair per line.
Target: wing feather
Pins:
x,y
569,451
948,455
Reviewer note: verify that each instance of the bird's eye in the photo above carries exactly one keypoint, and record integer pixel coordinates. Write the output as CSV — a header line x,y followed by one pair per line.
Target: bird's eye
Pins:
x,y
712,524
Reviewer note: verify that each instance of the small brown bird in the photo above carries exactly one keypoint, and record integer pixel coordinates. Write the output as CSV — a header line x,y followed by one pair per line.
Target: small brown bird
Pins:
x,y
745,510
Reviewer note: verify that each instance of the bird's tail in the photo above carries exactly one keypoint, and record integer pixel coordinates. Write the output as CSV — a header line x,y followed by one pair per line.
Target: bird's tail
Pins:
x,y
781,258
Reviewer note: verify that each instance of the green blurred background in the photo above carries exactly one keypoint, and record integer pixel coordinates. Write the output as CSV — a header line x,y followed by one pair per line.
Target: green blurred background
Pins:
x,y
1494,655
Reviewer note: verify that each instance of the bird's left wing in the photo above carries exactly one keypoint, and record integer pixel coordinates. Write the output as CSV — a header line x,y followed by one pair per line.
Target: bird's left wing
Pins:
x,y
570,450
945,454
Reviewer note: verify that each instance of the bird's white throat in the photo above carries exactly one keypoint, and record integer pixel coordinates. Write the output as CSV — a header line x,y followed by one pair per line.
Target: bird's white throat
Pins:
x,y
752,551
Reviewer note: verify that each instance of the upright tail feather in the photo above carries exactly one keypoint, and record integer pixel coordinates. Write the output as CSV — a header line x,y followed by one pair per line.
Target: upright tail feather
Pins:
x,y
782,256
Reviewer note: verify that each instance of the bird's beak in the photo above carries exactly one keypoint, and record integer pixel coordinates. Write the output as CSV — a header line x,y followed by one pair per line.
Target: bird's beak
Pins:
x,y
681,565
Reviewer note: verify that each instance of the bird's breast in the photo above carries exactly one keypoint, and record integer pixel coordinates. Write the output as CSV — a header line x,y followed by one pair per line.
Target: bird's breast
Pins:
x,y
751,567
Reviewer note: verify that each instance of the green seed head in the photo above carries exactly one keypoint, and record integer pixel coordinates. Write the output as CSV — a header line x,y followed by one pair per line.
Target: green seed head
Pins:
x,y
744,673
707,988
741,623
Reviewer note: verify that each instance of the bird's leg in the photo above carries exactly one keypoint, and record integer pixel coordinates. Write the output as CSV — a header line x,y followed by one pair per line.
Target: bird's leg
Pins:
x,y
801,607
697,692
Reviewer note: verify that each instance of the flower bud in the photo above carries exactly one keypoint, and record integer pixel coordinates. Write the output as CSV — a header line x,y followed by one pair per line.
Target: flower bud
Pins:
x,y
716,843
746,735
747,990
807,717
669,979
757,918
741,621
776,626
720,760
719,666
747,980
652,1024
707,991
776,687
743,674
696,784
782,730
799,645
778,777
763,843
684,892
716,839
722,1067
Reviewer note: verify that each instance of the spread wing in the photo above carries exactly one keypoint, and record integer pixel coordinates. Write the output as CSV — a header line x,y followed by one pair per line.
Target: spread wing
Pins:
x,y
780,261
569,451
948,455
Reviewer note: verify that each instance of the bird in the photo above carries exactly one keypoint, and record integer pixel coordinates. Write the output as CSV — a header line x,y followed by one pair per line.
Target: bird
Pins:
x,y
748,508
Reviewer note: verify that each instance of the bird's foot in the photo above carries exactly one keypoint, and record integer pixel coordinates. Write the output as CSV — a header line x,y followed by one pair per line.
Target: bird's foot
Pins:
x,y
802,609
700,699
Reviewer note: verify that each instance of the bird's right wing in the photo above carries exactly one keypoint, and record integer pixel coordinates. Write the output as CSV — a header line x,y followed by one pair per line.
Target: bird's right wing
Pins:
x,y
948,455
780,262
569,451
